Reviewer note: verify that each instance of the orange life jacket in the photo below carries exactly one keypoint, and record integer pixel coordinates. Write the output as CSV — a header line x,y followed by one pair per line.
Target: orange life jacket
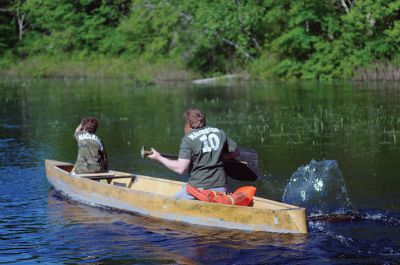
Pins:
x,y
243,196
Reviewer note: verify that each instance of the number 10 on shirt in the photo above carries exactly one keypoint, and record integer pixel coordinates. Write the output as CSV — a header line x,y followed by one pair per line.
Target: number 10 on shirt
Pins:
x,y
210,142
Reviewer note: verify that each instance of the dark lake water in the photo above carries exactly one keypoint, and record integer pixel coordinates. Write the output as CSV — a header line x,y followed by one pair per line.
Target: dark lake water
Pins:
x,y
288,124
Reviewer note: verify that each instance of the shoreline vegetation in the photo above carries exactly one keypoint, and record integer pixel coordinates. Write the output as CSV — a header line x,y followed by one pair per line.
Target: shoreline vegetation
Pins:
x,y
101,68
167,40
163,71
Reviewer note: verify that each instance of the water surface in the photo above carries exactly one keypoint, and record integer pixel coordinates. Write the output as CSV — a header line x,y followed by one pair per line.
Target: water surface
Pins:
x,y
288,124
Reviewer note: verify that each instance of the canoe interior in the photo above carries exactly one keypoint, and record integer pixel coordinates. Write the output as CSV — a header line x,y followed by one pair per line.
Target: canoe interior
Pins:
x,y
159,186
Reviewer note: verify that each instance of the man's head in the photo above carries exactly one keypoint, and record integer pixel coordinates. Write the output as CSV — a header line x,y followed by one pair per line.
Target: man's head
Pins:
x,y
195,118
89,124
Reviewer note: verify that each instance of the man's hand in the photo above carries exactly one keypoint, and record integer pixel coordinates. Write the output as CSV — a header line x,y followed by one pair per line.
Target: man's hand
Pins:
x,y
155,155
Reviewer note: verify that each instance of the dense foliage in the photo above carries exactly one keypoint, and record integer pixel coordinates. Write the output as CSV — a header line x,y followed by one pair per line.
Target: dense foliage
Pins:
x,y
307,39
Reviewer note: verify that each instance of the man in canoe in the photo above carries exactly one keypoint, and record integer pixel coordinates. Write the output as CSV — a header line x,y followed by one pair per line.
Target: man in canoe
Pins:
x,y
202,152
92,156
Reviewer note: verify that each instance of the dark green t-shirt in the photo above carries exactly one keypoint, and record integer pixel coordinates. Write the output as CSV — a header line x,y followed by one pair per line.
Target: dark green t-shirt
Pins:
x,y
205,148
91,153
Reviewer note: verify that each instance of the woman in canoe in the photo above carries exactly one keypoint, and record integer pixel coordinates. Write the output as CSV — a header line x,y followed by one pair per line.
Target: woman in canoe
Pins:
x,y
92,156
202,151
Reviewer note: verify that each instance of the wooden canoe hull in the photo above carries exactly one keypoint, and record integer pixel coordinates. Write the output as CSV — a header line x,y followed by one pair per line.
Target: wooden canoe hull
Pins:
x,y
154,197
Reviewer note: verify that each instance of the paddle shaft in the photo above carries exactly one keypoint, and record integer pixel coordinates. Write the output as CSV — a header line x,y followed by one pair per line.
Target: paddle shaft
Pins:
x,y
252,163
244,167
148,152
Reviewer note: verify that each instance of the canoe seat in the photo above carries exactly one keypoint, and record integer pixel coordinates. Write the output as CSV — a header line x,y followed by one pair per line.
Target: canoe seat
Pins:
x,y
105,175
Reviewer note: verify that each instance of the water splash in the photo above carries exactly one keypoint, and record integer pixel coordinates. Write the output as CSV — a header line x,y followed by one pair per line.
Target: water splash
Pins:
x,y
320,188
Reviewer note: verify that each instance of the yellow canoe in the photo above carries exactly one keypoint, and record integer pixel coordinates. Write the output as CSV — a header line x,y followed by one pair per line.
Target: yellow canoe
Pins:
x,y
155,197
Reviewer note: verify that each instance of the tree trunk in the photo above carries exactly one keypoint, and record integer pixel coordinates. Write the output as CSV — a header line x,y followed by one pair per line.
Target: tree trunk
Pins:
x,y
21,24
345,6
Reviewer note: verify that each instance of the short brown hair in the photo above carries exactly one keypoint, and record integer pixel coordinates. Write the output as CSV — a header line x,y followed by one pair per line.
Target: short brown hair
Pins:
x,y
89,124
195,118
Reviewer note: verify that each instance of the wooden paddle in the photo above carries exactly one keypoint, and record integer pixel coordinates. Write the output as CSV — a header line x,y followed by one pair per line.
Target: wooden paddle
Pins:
x,y
244,167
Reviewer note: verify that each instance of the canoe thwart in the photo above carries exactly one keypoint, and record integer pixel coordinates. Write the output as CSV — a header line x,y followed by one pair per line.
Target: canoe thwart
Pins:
x,y
106,175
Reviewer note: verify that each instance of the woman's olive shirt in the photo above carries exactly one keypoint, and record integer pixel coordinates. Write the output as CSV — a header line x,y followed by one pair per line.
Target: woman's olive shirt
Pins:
x,y
90,153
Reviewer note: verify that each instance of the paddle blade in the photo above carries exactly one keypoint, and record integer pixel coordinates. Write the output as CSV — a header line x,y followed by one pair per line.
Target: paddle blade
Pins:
x,y
250,157
244,167
142,151
239,171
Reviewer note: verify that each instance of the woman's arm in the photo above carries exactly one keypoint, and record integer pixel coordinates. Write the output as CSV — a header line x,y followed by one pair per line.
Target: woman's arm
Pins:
x,y
79,128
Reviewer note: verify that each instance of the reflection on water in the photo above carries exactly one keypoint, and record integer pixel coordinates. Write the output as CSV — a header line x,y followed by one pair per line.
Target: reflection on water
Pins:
x,y
357,125
159,241
73,212
152,238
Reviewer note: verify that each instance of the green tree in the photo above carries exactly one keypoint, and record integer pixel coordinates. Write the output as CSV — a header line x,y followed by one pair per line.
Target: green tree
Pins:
x,y
328,39
307,39
12,23
67,26
205,35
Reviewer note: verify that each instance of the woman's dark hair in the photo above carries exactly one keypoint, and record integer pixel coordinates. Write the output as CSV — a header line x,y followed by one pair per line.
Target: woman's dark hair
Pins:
x,y
195,118
89,124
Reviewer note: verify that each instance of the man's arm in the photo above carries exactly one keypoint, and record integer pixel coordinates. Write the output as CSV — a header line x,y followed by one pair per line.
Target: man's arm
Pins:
x,y
231,155
231,149
179,166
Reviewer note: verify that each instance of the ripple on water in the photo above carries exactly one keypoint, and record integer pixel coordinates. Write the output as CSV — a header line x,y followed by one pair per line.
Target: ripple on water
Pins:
x,y
54,229
372,233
